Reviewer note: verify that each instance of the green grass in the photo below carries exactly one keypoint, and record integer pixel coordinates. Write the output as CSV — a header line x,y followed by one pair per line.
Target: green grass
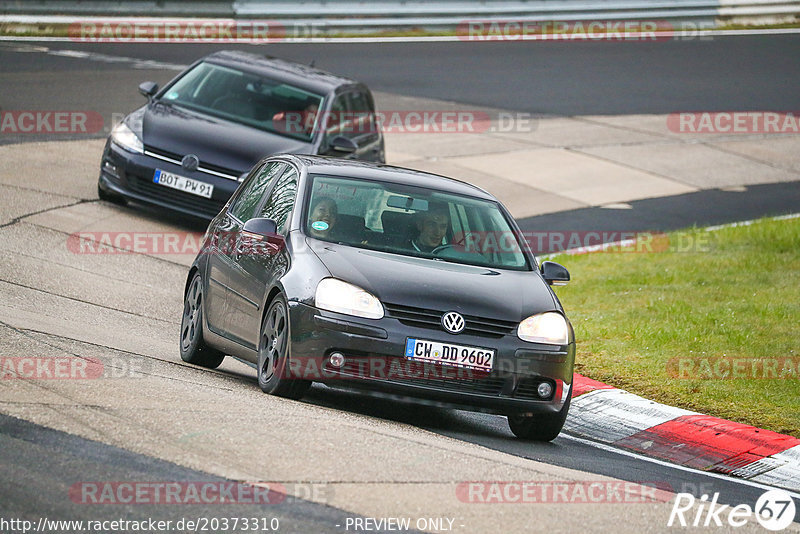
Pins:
x,y
734,295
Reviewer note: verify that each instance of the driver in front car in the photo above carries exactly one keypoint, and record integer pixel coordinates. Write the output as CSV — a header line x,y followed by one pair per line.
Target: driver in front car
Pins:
x,y
432,226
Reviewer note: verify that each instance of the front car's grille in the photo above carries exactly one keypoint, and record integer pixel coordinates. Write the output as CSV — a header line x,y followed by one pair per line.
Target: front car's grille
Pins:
x,y
172,157
425,318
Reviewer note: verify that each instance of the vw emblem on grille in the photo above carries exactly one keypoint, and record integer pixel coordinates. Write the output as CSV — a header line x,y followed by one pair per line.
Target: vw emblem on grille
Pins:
x,y
190,162
453,322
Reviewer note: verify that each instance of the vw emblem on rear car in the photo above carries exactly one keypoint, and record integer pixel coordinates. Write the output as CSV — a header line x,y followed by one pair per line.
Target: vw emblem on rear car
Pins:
x,y
190,162
453,322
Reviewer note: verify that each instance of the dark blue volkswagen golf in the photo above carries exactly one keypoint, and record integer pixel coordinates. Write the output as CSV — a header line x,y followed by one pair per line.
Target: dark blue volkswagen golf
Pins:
x,y
188,147
390,280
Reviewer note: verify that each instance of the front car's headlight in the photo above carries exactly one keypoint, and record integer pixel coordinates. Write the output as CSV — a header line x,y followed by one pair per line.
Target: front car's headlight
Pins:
x,y
124,137
338,296
550,327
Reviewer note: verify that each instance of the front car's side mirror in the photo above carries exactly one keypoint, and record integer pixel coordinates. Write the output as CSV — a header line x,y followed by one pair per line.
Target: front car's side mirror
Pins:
x,y
554,273
260,235
148,89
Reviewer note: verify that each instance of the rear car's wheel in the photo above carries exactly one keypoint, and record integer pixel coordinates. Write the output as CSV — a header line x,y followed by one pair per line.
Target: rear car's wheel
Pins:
x,y
110,197
274,348
539,427
193,347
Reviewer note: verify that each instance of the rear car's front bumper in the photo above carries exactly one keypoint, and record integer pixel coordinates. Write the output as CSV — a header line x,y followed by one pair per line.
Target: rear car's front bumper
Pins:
x,y
130,175
374,352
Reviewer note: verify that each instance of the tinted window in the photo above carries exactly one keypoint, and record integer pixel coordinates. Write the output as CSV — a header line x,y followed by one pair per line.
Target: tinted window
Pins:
x,y
282,198
363,114
336,120
247,98
413,221
253,191
351,116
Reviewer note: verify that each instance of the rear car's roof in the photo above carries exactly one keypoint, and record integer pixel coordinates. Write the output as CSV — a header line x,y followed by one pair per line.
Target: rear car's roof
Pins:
x,y
303,76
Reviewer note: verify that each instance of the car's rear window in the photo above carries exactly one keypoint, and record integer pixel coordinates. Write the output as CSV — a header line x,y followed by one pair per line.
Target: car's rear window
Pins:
x,y
248,99
412,221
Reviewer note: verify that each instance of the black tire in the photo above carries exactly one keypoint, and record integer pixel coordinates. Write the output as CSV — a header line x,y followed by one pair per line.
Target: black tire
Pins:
x,y
539,427
193,346
274,350
110,197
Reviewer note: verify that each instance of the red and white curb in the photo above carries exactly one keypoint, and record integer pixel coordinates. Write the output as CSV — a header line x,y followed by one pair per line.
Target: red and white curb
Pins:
x,y
609,415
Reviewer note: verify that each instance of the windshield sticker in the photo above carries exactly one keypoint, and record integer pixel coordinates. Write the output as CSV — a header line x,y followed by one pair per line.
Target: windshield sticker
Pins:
x,y
320,226
172,95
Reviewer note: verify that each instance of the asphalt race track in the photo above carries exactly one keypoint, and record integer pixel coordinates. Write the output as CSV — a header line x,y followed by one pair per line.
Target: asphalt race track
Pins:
x,y
368,457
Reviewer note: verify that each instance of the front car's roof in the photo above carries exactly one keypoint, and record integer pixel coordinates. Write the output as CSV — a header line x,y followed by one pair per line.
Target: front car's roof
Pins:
x,y
387,173
296,74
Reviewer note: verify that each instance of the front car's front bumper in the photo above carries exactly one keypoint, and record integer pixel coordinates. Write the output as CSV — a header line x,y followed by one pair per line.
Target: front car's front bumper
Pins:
x,y
374,360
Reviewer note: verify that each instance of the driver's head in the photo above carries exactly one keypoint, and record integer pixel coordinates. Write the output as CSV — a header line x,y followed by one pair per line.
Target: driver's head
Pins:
x,y
433,224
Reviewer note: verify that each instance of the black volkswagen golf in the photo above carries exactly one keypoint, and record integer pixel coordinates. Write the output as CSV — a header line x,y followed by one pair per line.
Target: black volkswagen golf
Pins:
x,y
188,147
384,279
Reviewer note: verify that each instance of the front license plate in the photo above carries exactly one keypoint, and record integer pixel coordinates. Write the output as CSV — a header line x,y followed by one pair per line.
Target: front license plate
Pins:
x,y
446,353
182,183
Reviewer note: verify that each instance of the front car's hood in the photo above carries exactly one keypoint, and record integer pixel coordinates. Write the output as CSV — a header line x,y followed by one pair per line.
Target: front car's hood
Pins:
x,y
214,141
439,285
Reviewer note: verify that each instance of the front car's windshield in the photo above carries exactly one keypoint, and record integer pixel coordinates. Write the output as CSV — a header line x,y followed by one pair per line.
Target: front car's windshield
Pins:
x,y
412,221
248,99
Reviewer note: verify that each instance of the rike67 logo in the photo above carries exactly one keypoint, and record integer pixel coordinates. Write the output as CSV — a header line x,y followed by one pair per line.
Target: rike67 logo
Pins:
x,y
774,510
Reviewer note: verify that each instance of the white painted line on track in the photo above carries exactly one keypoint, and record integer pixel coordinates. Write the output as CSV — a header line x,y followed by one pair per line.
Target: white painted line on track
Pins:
x,y
748,223
656,461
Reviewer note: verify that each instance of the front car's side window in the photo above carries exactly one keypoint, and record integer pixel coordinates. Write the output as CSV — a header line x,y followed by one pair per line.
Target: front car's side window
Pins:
x,y
253,191
282,198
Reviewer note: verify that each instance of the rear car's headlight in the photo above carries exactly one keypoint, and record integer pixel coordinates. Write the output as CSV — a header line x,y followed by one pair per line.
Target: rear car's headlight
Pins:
x,y
338,296
547,327
124,137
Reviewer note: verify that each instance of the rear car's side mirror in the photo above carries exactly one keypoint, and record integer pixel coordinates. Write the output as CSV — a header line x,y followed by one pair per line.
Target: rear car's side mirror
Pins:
x,y
148,89
555,274
341,143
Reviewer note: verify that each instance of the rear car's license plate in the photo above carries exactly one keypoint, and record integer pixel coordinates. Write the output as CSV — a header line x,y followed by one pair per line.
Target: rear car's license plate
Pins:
x,y
446,353
181,183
